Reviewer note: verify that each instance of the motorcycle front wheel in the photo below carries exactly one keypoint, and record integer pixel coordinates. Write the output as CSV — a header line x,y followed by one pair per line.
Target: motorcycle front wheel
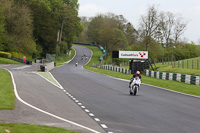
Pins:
x,y
135,90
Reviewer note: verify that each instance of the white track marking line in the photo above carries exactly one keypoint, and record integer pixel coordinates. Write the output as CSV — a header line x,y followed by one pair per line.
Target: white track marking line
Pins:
x,y
96,119
104,126
91,114
86,110
45,112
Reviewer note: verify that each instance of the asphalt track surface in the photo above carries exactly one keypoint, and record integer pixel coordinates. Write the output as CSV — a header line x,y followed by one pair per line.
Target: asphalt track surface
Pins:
x,y
152,110
38,92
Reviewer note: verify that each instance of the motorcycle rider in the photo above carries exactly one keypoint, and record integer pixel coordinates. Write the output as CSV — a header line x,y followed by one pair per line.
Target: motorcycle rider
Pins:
x,y
76,64
137,74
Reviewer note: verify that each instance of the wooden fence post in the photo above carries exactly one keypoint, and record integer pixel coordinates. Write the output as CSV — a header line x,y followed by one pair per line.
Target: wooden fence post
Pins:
x,y
197,64
192,64
187,64
178,63
175,62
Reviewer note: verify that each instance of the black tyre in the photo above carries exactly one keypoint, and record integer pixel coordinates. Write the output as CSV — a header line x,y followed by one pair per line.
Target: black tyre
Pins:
x,y
135,90
131,93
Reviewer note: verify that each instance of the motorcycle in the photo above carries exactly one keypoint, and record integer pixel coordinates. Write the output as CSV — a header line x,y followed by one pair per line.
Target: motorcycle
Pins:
x,y
76,64
135,85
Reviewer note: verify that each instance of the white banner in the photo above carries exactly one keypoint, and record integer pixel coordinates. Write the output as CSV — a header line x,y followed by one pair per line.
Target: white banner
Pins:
x,y
133,54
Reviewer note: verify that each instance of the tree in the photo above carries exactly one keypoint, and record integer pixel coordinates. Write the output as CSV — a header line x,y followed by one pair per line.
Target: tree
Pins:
x,y
2,30
167,21
180,27
131,33
149,24
19,27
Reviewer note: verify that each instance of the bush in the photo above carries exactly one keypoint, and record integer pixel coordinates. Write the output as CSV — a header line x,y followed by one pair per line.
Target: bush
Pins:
x,y
20,55
5,54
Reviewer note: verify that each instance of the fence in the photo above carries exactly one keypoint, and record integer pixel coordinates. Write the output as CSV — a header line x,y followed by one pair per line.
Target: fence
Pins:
x,y
124,63
189,79
185,64
113,68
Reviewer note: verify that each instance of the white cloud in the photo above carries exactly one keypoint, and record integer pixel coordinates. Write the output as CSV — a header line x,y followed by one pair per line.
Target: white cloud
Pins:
x,y
91,10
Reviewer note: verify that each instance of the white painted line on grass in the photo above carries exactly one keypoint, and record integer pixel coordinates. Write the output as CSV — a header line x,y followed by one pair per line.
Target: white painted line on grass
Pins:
x,y
45,112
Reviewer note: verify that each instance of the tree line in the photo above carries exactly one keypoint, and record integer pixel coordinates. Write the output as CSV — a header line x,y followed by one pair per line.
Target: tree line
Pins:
x,y
159,32
37,27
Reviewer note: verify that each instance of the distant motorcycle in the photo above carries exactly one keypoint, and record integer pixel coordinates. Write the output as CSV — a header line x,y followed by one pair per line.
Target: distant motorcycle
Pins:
x,y
76,64
135,85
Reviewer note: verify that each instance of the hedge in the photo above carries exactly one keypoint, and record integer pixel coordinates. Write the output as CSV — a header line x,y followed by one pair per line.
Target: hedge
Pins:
x,y
5,54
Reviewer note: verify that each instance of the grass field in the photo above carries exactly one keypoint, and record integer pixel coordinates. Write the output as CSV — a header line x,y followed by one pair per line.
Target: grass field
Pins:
x,y
7,97
167,67
25,128
8,61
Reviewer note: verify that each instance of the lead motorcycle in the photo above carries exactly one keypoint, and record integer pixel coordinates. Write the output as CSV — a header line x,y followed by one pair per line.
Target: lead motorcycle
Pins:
x,y
135,85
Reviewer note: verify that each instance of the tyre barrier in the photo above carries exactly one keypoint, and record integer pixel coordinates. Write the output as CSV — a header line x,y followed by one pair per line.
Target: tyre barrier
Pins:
x,y
189,79
113,68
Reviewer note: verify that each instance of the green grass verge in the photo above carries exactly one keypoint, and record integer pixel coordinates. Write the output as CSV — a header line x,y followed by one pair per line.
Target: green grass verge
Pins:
x,y
25,128
7,96
60,60
7,102
8,61
48,76
166,68
172,85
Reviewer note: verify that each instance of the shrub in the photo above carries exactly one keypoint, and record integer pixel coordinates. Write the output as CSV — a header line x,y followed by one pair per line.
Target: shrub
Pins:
x,y
5,54
20,55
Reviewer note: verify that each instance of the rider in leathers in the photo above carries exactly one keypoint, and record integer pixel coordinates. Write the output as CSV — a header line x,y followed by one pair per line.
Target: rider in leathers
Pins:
x,y
137,74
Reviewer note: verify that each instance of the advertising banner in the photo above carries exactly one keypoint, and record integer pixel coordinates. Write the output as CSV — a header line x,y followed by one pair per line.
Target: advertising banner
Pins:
x,y
133,54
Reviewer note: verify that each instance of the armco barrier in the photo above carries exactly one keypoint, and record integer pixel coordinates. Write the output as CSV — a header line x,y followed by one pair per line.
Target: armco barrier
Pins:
x,y
189,79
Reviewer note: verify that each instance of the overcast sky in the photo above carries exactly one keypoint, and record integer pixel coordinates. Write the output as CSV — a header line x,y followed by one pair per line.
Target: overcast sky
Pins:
x,y
133,9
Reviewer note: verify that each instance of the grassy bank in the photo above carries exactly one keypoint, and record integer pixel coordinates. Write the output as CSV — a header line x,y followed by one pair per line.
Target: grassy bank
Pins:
x,y
170,69
7,97
60,60
8,61
25,128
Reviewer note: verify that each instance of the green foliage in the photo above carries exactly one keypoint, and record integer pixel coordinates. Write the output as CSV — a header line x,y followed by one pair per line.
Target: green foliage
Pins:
x,y
5,54
7,97
18,27
25,128
21,55
8,61
2,29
